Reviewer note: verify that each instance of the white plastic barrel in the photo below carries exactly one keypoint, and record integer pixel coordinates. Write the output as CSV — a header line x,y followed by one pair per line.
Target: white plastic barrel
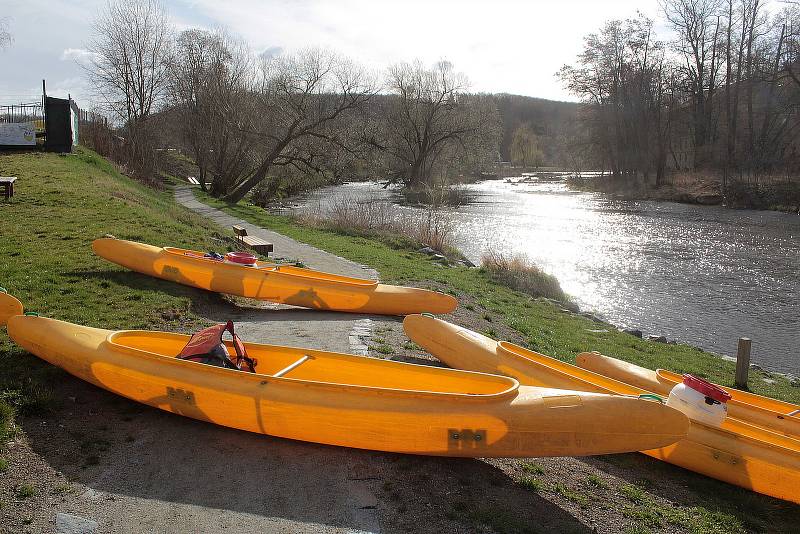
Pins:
x,y
701,401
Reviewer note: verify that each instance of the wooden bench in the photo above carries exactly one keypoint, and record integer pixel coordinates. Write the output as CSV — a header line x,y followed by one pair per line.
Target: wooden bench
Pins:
x,y
257,244
7,183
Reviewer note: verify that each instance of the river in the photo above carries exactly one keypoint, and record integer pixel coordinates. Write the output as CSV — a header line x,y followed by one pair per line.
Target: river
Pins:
x,y
698,274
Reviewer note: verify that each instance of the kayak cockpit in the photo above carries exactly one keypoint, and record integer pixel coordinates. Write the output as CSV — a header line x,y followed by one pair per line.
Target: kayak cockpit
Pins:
x,y
278,362
270,267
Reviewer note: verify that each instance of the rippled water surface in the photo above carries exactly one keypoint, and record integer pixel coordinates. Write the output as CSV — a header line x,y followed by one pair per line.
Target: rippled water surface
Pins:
x,y
704,275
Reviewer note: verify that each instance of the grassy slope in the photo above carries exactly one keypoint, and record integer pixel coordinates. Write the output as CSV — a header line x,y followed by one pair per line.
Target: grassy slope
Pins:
x,y
61,204
547,329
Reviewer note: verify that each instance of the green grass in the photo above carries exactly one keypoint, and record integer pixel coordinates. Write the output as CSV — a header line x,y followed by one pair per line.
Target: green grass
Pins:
x,y
383,349
635,494
649,513
531,467
61,204
496,518
547,329
25,490
570,494
530,484
596,482
6,421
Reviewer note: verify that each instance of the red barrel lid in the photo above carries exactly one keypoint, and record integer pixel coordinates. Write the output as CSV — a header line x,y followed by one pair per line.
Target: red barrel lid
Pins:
x,y
706,388
244,258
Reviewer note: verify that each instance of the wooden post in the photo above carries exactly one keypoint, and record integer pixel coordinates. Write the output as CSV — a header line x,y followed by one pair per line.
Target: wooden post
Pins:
x,y
742,362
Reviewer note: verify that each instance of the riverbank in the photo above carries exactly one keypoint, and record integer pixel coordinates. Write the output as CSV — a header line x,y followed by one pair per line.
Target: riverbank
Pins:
x,y
702,190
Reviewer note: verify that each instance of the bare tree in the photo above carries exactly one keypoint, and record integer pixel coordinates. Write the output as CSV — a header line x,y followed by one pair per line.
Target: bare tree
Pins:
x,y
130,49
432,125
791,59
735,61
697,25
623,76
5,34
307,104
210,77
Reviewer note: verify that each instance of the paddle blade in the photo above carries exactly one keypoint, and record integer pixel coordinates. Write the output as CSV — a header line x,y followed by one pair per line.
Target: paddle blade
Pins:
x,y
9,307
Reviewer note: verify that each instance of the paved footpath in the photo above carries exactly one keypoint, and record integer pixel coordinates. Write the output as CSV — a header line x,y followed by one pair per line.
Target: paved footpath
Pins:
x,y
285,325
181,475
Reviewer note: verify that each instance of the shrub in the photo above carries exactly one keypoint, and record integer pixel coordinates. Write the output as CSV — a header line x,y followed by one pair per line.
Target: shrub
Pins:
x,y
519,273
381,218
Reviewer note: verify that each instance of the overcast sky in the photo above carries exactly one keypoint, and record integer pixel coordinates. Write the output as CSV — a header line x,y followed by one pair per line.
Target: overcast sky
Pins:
x,y
501,45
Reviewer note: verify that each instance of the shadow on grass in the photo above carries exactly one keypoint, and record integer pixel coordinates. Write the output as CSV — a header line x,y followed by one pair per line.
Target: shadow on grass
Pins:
x,y
211,305
473,493
137,281
756,512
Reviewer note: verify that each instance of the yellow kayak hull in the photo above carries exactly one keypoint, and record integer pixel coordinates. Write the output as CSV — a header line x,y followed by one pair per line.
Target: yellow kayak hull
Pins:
x,y
276,283
350,401
773,414
739,453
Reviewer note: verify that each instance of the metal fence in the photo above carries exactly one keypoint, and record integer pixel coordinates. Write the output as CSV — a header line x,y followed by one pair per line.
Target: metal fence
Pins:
x,y
91,117
25,112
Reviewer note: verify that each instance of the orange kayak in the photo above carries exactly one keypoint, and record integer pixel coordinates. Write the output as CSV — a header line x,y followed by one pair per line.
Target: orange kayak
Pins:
x,y
269,281
773,414
737,452
346,400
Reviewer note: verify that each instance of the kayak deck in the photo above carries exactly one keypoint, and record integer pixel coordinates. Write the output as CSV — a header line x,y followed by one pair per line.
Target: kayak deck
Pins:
x,y
270,267
275,362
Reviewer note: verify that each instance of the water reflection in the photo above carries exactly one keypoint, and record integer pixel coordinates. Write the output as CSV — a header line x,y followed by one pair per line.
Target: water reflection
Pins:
x,y
705,275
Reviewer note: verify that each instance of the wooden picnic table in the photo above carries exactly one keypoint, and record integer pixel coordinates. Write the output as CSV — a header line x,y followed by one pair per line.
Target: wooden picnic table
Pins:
x,y
7,183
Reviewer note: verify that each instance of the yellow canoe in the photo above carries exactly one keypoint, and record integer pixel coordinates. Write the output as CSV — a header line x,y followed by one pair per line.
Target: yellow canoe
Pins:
x,y
345,400
773,414
269,281
738,453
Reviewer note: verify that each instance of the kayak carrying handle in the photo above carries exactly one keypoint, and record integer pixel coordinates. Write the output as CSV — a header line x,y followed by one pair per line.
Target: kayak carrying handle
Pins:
x,y
652,397
3,290
32,314
427,314
793,413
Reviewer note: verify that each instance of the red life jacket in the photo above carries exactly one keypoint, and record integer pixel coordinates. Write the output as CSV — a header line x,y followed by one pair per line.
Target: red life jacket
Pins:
x,y
206,346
